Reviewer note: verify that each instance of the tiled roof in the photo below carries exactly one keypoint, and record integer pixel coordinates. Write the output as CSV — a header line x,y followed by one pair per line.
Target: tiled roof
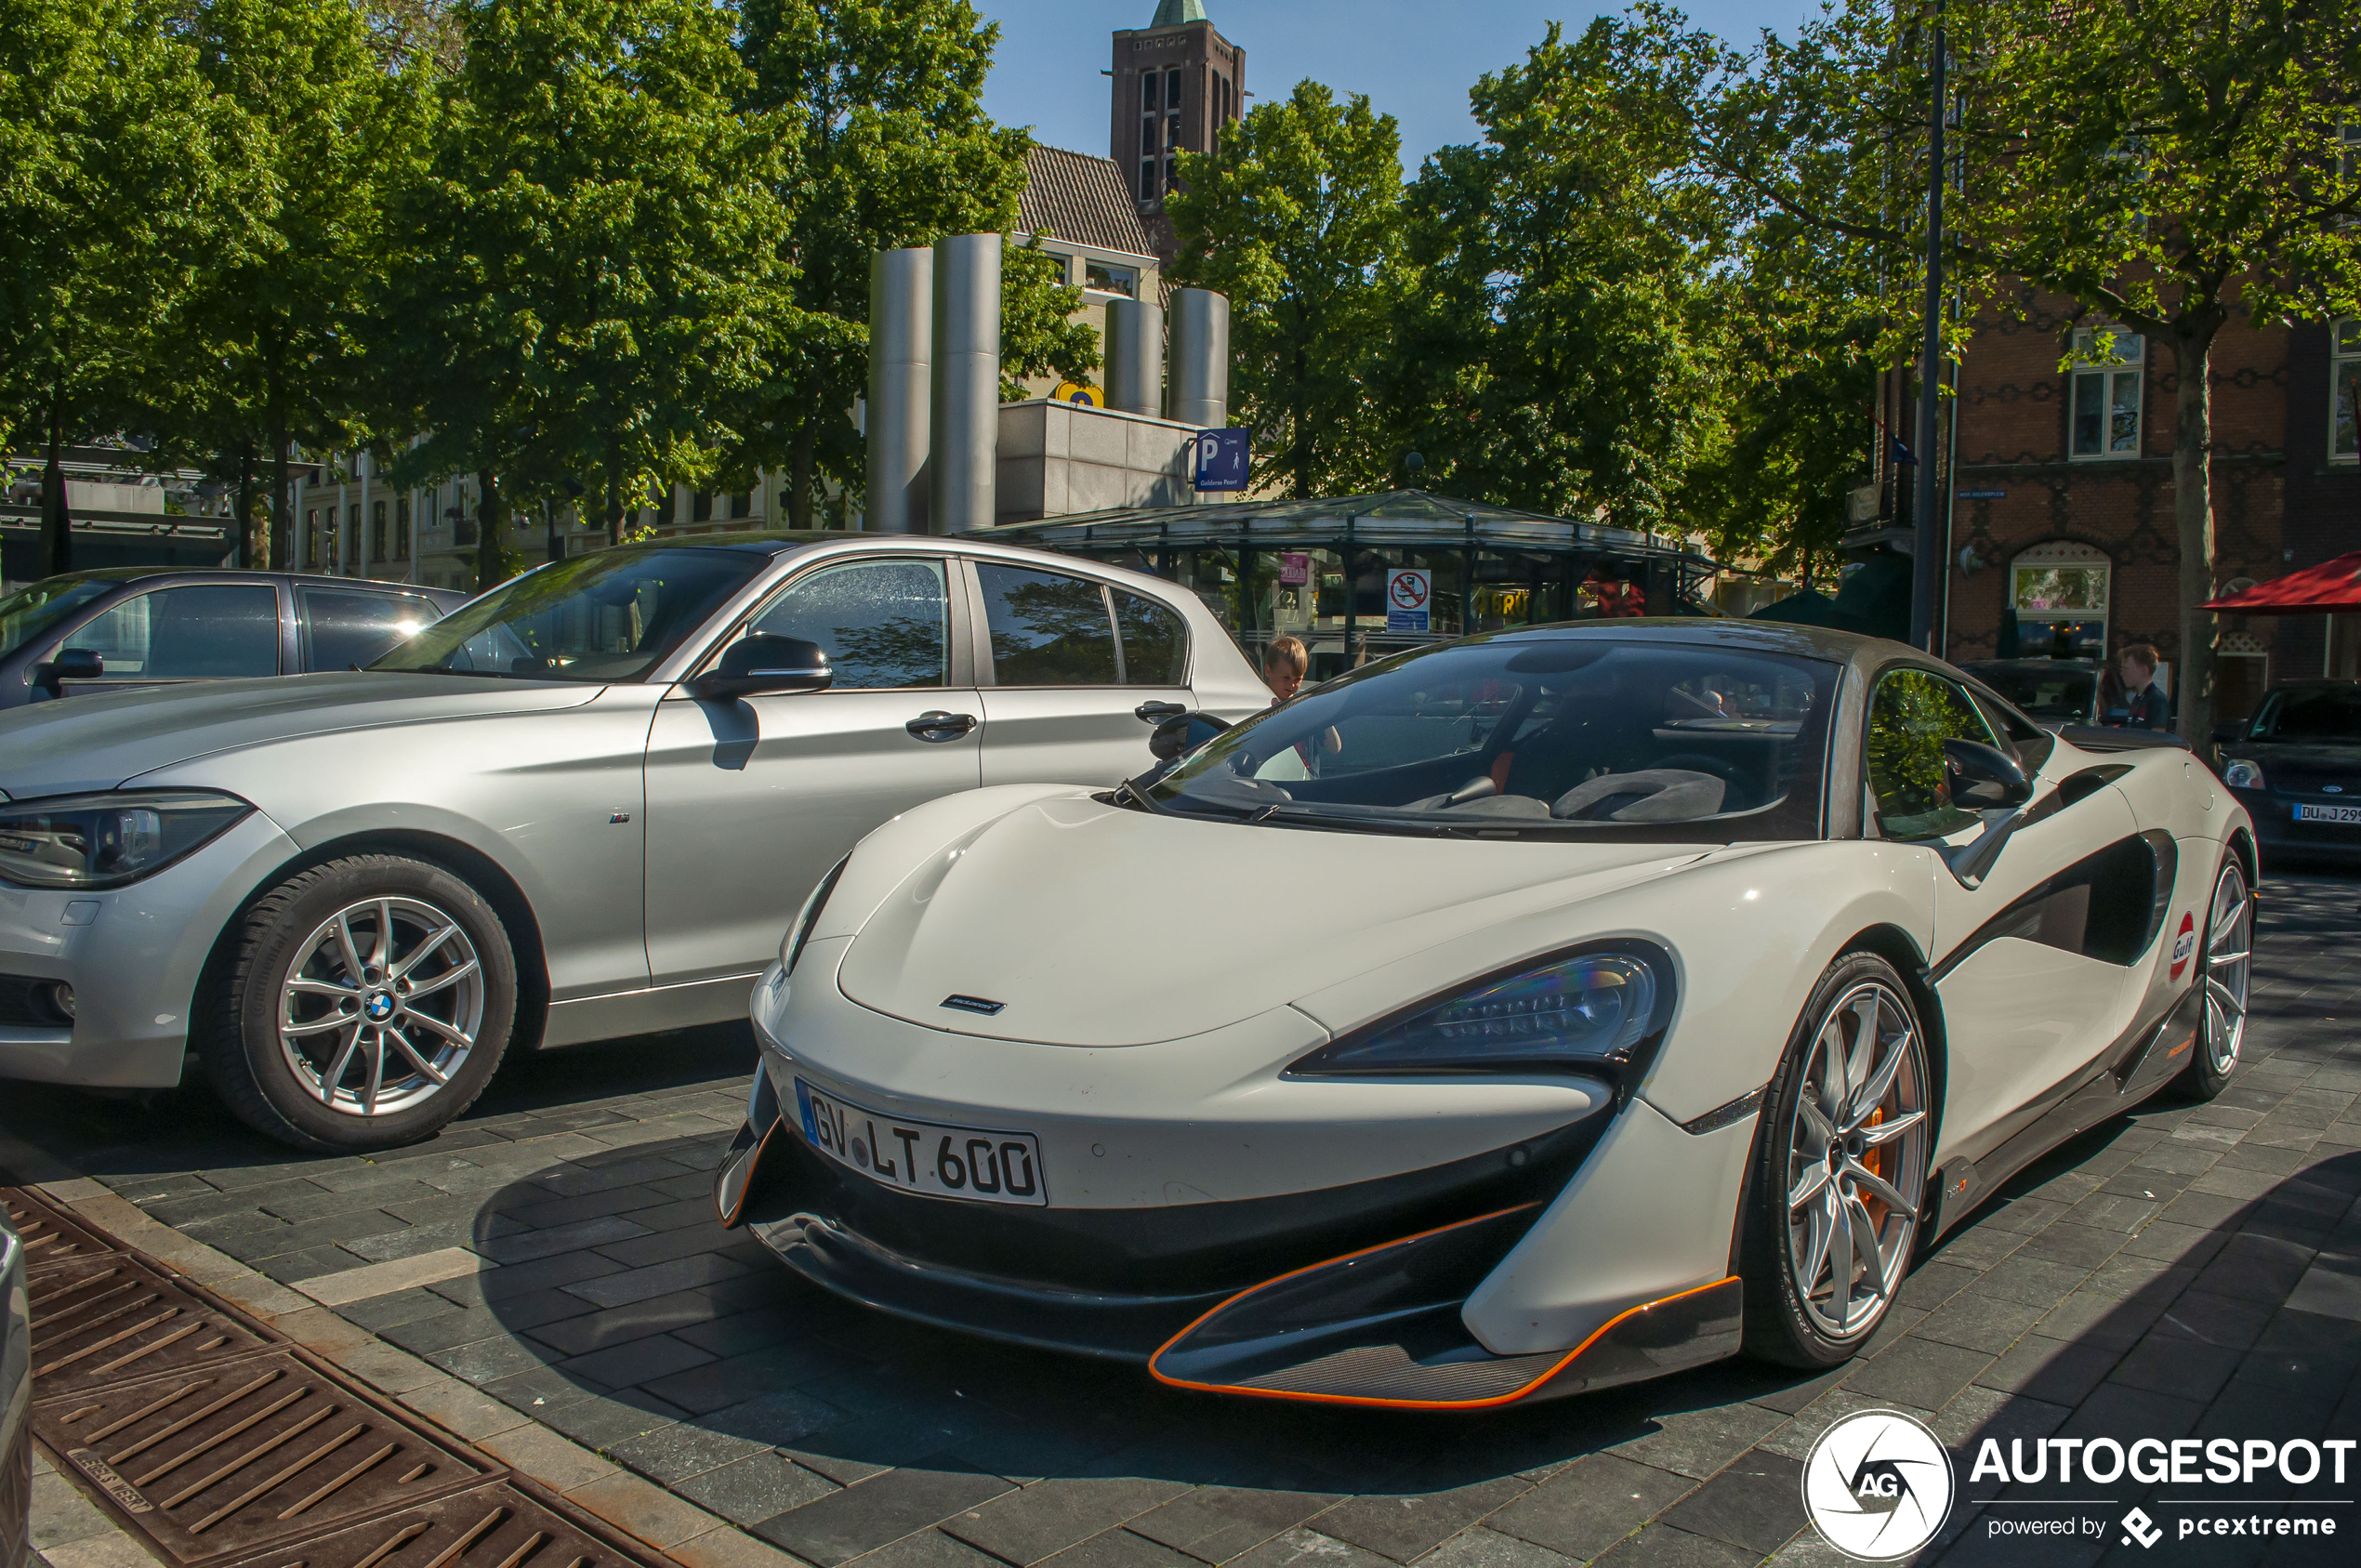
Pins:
x,y
1081,199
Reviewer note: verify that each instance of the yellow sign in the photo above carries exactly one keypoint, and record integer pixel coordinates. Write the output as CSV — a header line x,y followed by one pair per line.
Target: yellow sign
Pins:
x,y
1080,392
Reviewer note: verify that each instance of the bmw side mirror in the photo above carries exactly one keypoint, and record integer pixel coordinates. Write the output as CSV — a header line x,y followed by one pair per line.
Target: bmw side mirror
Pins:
x,y
1185,733
1984,778
756,664
72,664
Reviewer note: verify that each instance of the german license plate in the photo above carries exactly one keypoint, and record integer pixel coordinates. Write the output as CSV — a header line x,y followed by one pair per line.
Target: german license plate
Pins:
x,y
976,1164
2310,814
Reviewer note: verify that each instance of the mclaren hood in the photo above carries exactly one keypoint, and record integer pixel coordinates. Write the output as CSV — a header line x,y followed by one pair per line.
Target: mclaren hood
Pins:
x,y
102,741
1096,925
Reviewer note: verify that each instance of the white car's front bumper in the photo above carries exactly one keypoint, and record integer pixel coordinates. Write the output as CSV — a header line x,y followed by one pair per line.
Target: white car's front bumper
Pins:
x,y
134,956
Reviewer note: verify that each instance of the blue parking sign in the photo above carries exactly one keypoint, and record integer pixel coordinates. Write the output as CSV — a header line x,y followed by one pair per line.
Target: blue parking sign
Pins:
x,y
1222,459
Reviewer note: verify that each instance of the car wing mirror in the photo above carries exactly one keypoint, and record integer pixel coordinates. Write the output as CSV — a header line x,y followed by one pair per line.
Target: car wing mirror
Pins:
x,y
1988,781
1185,733
754,665
72,663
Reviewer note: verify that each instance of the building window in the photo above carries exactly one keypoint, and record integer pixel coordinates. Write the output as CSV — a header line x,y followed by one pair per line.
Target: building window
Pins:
x,y
2344,391
1173,89
1107,277
401,529
2348,147
2057,603
1147,179
2107,373
741,504
700,507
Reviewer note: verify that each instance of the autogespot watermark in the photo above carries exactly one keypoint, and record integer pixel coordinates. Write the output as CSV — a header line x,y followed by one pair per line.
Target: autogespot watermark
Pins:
x,y
1879,1486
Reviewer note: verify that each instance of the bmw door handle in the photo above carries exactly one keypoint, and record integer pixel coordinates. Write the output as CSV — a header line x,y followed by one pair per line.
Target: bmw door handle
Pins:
x,y
941,726
1157,713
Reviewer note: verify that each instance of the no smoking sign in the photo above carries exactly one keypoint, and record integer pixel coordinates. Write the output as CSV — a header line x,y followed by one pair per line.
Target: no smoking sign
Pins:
x,y
1406,594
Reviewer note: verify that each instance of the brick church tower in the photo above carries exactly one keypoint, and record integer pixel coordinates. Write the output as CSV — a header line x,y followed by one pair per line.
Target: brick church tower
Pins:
x,y
1177,84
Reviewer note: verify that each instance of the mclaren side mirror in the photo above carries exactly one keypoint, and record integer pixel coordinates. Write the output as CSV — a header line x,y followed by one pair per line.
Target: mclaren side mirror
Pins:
x,y
72,663
1984,778
756,664
1185,733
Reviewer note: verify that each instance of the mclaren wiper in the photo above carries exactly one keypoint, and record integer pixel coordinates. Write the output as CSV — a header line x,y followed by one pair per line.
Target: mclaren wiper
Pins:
x,y
1304,815
1128,793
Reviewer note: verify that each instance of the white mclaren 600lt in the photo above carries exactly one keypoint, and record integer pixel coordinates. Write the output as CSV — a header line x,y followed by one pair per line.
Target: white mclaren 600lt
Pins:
x,y
1514,1016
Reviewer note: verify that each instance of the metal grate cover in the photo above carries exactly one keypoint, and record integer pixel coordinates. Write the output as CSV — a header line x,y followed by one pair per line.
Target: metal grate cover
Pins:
x,y
110,1319
237,1456
495,1526
48,1235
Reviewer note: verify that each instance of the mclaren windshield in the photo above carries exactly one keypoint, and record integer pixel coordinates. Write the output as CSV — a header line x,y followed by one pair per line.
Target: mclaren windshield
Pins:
x,y
610,617
1560,737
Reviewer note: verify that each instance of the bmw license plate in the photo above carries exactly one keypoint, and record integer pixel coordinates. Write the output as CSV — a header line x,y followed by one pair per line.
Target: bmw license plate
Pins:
x,y
2305,812
941,1162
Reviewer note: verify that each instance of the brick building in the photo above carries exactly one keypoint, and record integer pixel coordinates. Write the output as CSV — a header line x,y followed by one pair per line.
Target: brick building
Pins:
x,y
1177,83
2061,492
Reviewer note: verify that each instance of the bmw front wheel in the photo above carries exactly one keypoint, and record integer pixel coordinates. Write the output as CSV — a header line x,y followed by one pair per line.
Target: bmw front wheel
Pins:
x,y
1839,1170
366,1003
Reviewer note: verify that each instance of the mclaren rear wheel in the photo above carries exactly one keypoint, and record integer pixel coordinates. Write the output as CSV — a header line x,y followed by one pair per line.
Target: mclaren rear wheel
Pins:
x,y
1840,1172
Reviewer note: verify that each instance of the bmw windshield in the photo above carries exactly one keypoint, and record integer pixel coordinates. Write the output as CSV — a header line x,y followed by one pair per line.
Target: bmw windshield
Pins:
x,y
610,617
1555,737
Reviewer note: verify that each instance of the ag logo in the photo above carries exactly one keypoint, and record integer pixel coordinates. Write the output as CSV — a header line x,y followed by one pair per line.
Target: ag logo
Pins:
x,y
2184,943
1878,1484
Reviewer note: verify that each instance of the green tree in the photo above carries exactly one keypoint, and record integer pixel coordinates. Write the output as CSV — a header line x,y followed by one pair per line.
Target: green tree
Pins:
x,y
1298,219
891,147
117,175
590,264
1562,345
2167,167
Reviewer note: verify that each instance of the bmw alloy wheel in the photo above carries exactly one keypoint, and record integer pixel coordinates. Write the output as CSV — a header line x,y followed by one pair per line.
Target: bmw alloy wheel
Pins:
x,y
1856,1164
2229,954
381,1007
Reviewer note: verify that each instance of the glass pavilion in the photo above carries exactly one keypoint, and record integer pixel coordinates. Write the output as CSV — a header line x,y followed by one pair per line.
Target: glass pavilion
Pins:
x,y
1324,569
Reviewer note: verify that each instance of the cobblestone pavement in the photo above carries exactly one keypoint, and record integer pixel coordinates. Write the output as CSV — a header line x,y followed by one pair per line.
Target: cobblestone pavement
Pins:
x,y
2177,1272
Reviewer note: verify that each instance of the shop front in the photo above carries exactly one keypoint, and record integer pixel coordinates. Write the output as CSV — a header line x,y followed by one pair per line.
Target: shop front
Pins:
x,y
1361,576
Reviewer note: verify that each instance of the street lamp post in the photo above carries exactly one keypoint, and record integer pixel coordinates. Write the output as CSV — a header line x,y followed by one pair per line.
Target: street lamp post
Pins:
x,y
1926,582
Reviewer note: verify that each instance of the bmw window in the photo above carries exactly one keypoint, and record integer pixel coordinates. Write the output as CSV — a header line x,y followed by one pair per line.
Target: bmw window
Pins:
x,y
610,617
882,623
1047,629
1572,736
199,631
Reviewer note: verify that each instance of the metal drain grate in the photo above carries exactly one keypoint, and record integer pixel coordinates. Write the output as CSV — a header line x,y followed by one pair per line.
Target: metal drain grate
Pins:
x,y
103,1320
232,1457
49,1236
495,1526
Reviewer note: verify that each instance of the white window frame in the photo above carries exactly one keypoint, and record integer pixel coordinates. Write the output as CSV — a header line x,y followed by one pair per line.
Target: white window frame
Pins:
x,y
2344,353
2125,357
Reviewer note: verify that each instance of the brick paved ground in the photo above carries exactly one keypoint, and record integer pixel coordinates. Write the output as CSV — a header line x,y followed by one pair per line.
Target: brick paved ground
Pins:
x,y
2177,1272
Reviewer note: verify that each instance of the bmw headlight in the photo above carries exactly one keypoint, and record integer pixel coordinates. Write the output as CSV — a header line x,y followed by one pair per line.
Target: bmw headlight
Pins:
x,y
808,917
2241,772
1592,1010
106,840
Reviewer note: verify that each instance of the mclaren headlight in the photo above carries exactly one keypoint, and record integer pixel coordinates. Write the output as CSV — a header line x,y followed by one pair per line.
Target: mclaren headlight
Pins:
x,y
77,841
808,917
1594,1010
2242,772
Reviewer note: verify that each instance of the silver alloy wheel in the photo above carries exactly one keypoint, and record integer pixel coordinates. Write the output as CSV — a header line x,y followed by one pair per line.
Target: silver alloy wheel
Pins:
x,y
2229,956
381,1006
1857,1159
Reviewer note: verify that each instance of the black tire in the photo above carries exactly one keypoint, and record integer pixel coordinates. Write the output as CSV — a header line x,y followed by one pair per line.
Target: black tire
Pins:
x,y
1780,1325
2221,1035
281,940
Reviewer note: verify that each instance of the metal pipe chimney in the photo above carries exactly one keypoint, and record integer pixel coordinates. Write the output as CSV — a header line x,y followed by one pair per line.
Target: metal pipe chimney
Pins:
x,y
1200,358
900,352
962,486
1135,356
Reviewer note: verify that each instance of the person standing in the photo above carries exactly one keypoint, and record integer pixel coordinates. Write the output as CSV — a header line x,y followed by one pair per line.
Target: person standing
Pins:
x,y
2149,707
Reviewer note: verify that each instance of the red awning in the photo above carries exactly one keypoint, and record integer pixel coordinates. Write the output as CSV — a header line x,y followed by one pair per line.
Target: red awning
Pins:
x,y
2333,585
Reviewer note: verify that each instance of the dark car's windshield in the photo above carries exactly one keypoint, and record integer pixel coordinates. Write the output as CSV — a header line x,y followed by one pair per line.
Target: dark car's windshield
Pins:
x,y
1556,736
2056,691
2318,715
32,609
610,617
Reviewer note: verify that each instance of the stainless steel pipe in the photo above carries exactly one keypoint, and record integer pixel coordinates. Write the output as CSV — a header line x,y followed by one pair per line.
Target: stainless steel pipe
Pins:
x,y
963,486
901,357
1200,358
1135,356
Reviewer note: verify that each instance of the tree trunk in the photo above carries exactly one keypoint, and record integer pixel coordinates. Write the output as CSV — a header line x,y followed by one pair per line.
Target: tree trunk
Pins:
x,y
248,547
279,544
1299,455
2193,526
799,476
56,523
556,547
488,551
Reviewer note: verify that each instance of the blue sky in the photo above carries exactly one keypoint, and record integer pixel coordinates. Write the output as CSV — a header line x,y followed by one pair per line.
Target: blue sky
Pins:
x,y
1415,60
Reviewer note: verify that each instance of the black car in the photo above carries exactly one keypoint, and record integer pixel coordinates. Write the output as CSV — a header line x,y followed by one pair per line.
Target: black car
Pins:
x,y
2051,692
139,625
2297,768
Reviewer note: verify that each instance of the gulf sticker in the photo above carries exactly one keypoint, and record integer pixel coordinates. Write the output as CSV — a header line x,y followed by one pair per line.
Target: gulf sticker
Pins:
x,y
2185,943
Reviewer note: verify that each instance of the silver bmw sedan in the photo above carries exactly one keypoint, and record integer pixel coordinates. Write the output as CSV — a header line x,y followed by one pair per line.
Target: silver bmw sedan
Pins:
x,y
583,806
